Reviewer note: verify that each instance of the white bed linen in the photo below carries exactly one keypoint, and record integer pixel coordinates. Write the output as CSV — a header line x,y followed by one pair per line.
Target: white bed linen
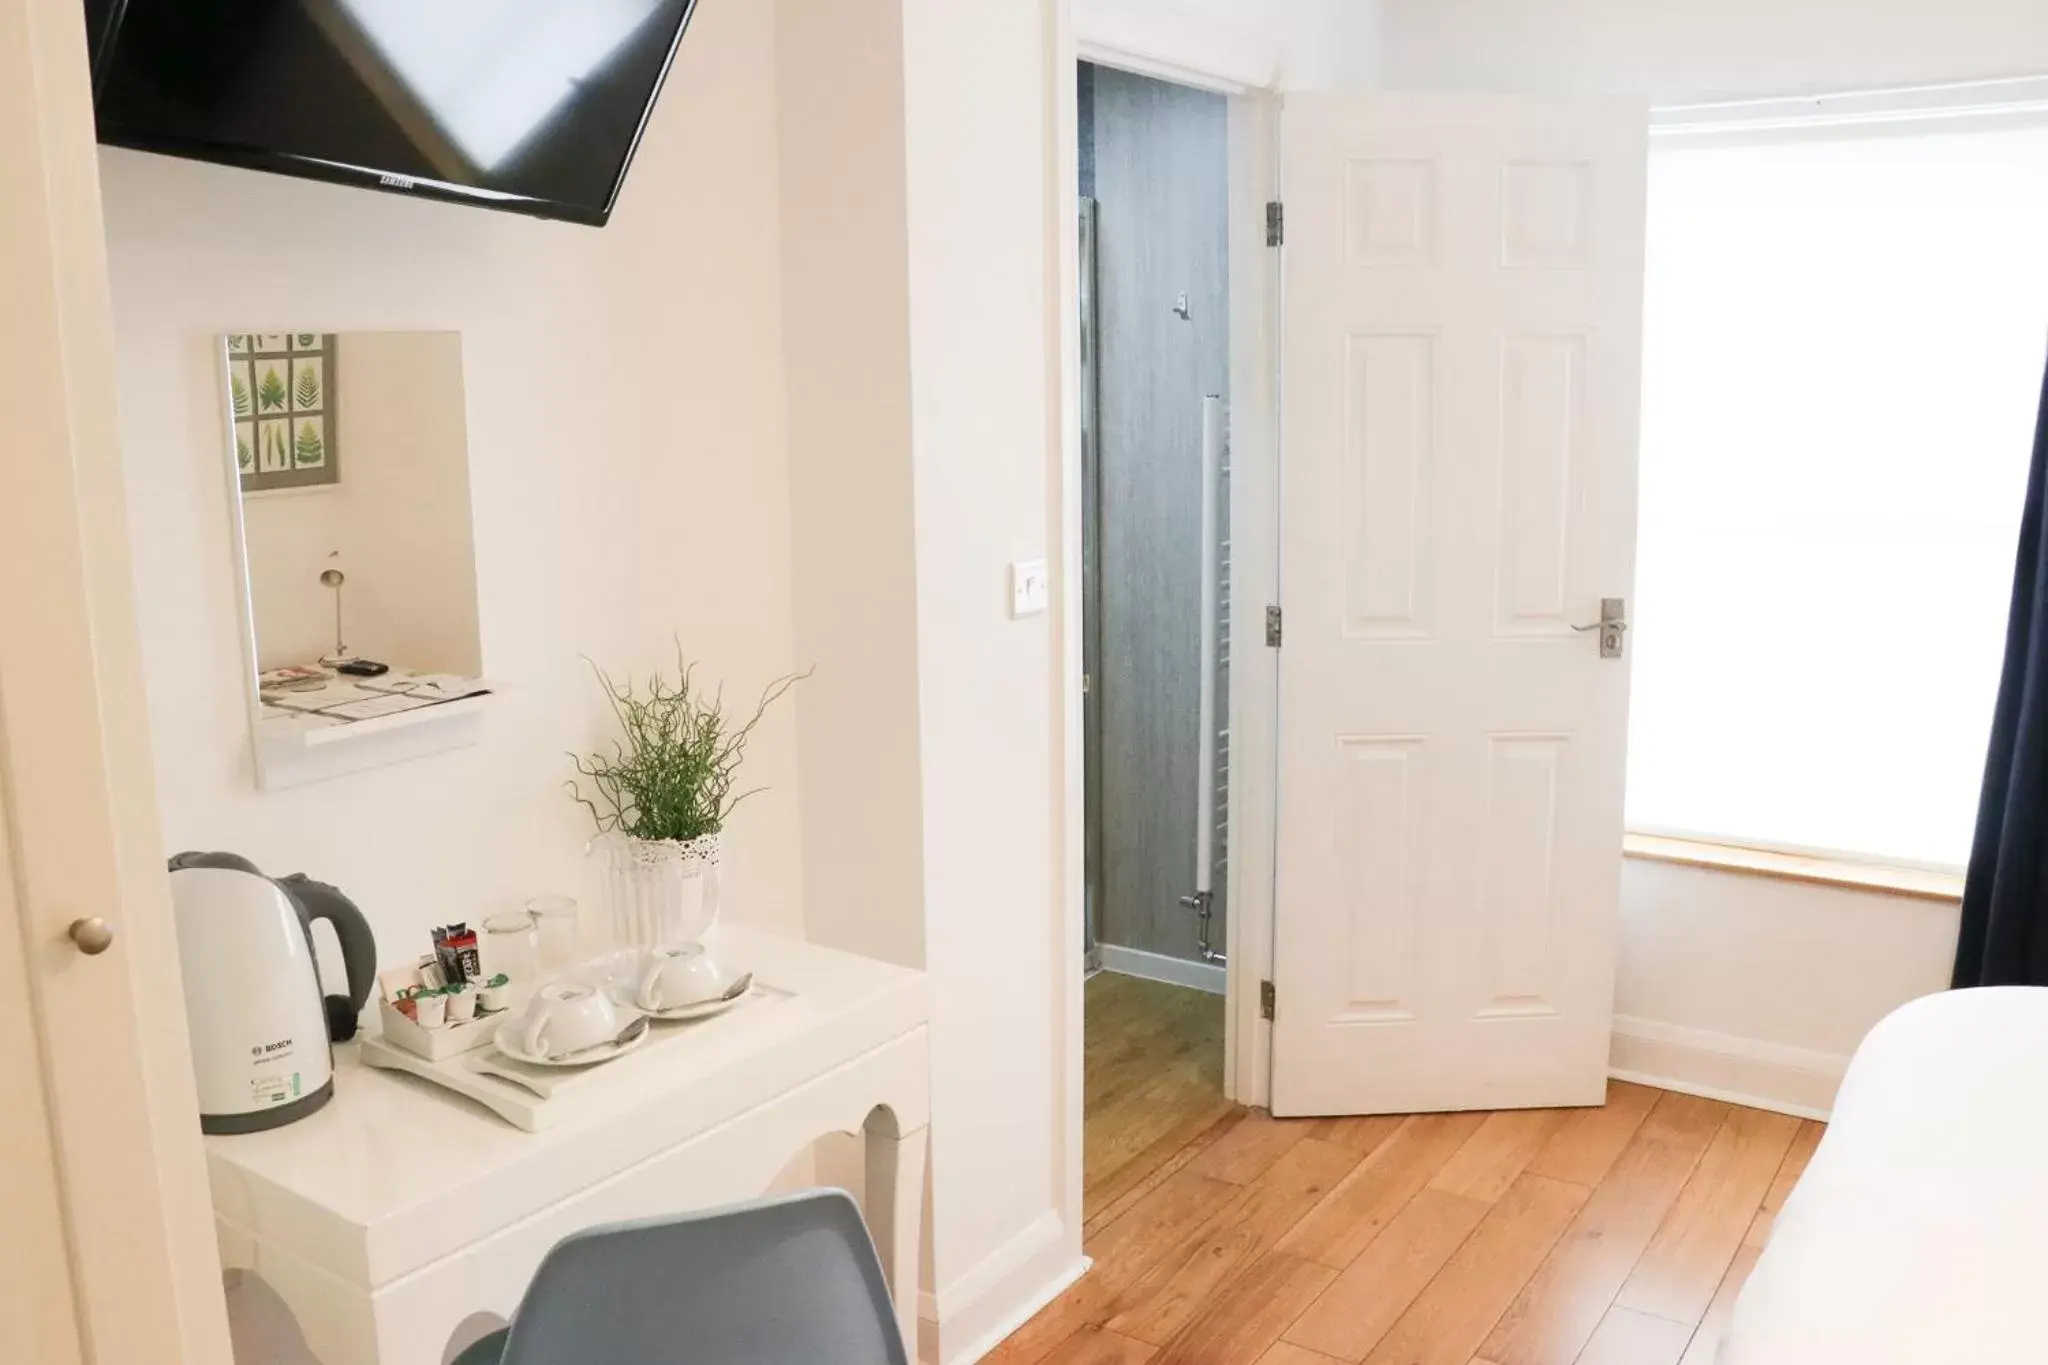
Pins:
x,y
1919,1233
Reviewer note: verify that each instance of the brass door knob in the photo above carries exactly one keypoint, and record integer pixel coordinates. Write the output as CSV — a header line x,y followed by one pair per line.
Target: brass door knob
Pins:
x,y
92,936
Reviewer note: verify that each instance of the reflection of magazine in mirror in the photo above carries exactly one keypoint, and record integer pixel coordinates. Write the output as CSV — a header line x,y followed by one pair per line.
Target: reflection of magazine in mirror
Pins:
x,y
373,707
427,686
337,692
297,678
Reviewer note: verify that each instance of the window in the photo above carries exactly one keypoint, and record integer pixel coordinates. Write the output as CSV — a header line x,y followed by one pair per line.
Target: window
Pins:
x,y
1843,360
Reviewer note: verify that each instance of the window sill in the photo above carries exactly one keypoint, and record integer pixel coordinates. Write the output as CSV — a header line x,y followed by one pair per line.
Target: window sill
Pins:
x,y
1915,882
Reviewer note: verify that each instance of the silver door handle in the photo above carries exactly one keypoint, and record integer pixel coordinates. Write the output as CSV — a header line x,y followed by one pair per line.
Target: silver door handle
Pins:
x,y
1612,625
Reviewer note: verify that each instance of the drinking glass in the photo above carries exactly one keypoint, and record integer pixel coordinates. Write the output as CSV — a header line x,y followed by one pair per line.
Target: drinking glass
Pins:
x,y
511,946
558,927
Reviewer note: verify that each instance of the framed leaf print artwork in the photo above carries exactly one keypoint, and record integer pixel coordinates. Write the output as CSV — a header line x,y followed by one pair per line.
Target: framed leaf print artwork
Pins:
x,y
282,405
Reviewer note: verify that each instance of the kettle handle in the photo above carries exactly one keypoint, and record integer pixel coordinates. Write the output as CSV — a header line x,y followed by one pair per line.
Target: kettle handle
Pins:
x,y
318,901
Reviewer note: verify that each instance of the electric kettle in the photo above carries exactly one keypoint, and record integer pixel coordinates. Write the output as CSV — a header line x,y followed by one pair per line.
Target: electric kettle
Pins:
x,y
260,1027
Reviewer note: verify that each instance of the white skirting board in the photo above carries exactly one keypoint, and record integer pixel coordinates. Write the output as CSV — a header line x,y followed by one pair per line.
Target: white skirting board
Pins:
x,y
1749,1071
970,1317
1174,971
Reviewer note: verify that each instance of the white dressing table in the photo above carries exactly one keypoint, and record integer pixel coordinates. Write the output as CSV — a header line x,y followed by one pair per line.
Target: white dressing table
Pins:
x,y
400,1210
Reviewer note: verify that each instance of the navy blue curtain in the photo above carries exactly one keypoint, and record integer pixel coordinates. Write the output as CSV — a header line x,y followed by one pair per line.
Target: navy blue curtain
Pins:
x,y
2004,940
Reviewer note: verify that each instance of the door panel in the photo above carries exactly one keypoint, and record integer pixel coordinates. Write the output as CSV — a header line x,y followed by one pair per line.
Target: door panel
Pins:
x,y
1540,397
1381,849
1389,463
36,1301
1462,285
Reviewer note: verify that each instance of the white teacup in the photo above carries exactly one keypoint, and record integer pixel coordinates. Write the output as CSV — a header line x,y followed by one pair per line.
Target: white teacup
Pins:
x,y
674,975
563,1018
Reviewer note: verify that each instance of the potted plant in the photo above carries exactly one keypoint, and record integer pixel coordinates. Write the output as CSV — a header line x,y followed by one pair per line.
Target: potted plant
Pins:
x,y
660,798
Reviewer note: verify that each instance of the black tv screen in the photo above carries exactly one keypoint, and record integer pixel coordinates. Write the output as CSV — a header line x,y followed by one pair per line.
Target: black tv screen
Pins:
x,y
529,105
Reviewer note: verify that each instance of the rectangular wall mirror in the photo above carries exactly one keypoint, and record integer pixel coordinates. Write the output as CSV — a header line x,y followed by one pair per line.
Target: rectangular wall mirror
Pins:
x,y
350,456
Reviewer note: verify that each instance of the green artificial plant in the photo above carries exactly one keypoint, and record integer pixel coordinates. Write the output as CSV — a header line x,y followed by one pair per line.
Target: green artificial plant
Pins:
x,y
669,776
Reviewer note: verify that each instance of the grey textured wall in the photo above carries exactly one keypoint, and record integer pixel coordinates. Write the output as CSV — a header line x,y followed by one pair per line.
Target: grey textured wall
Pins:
x,y
1159,169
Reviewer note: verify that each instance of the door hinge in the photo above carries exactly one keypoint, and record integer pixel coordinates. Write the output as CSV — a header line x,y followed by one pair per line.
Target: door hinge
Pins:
x,y
1265,1000
1276,223
1273,627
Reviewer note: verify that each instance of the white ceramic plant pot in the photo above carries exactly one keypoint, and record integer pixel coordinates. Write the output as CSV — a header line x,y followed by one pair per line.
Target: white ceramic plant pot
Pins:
x,y
659,890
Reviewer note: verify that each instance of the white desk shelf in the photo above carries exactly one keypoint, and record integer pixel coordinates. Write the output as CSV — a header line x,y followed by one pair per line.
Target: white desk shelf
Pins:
x,y
399,1210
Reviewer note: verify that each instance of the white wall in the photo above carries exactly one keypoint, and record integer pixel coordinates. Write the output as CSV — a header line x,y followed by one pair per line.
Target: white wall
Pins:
x,y
846,340
398,522
979,177
846,368
626,445
1761,988
1680,50
917,202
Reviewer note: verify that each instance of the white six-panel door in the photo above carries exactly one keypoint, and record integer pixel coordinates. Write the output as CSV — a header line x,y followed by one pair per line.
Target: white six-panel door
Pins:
x,y
1462,335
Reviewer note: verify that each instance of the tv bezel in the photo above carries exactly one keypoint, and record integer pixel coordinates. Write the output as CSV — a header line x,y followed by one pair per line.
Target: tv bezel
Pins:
x,y
103,44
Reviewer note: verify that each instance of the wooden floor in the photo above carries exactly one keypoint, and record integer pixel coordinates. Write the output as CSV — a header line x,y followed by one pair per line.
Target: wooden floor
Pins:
x,y
1154,1075
1613,1236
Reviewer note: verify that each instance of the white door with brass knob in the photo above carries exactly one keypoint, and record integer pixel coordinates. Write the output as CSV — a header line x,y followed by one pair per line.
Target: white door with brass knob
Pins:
x,y
108,1228
1463,296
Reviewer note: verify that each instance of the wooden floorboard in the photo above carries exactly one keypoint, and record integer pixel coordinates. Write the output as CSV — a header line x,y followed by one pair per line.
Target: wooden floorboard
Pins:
x,y
1152,1081
1372,1293
1560,1307
1449,1319
1243,1231
1611,1236
1345,1223
1153,1168
1678,1272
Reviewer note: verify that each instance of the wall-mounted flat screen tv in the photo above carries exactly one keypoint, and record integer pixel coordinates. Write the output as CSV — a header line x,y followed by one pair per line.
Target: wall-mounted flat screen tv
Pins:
x,y
534,106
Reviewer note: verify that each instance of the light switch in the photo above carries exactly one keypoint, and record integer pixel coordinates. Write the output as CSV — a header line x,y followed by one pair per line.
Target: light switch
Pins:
x,y
1030,588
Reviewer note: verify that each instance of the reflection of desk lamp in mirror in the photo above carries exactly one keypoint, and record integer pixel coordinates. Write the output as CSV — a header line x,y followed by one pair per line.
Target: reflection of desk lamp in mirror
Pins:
x,y
339,660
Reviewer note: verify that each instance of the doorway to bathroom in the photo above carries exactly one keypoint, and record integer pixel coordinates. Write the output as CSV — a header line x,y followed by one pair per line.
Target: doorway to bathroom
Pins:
x,y
1155,356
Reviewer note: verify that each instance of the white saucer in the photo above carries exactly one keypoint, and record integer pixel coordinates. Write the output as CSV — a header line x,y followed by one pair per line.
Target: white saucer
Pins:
x,y
703,1009
591,1057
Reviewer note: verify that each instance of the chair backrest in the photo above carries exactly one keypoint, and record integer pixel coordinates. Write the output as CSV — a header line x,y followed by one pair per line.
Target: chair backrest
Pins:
x,y
778,1280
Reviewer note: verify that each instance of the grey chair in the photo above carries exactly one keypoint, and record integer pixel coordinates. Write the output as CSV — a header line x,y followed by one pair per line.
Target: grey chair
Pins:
x,y
774,1282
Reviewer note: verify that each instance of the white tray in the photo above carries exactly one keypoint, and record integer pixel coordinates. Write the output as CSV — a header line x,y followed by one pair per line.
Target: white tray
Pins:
x,y
530,1102
518,1107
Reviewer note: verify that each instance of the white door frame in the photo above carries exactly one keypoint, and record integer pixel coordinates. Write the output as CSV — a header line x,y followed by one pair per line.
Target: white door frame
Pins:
x,y
1255,464
1172,47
